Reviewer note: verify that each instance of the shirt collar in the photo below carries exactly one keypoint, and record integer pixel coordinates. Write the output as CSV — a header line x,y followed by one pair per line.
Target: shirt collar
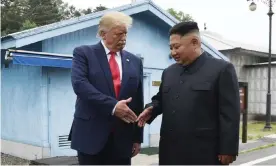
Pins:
x,y
107,51
195,65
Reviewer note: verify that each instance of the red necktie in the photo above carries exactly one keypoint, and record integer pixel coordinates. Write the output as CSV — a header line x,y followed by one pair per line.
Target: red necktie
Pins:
x,y
115,73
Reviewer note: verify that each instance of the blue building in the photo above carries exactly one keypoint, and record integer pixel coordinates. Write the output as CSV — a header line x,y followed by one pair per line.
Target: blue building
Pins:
x,y
37,97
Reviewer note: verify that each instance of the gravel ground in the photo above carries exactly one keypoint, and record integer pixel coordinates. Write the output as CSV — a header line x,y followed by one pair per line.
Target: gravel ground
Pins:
x,y
11,160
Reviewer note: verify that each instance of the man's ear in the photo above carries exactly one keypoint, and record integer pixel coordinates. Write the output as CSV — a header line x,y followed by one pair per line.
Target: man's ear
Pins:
x,y
102,35
195,41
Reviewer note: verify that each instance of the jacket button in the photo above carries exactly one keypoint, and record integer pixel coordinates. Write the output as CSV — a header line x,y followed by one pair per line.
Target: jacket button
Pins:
x,y
176,96
181,82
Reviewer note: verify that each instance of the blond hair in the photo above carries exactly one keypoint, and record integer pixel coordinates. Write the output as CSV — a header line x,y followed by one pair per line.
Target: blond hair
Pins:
x,y
112,19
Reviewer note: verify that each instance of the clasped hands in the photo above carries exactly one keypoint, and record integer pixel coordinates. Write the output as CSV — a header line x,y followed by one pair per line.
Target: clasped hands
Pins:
x,y
123,112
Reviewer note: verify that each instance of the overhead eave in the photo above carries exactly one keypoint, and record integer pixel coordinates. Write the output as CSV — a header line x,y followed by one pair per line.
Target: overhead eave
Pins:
x,y
9,43
246,52
265,64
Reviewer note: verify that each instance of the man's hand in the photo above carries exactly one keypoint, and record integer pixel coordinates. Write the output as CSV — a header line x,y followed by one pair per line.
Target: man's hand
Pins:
x,y
226,159
136,149
144,116
123,112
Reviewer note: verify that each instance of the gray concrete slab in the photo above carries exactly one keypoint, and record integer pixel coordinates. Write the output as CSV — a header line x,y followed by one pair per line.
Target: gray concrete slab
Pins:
x,y
268,162
254,155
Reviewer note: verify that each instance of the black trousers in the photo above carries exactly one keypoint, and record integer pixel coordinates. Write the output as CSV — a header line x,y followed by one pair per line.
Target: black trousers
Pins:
x,y
104,157
196,152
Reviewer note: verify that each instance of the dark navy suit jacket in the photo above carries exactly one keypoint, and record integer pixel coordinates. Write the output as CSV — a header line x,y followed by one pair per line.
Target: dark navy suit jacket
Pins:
x,y
92,83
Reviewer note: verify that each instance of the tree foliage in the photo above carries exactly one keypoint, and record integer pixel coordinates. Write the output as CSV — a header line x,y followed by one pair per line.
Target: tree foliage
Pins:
x,y
99,8
18,15
179,15
27,24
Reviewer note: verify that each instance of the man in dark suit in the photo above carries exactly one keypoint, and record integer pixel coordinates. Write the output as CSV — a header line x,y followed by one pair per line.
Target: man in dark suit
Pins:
x,y
199,100
108,82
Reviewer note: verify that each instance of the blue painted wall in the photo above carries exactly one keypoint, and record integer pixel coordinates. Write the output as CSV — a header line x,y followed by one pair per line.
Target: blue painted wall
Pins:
x,y
148,37
24,105
24,102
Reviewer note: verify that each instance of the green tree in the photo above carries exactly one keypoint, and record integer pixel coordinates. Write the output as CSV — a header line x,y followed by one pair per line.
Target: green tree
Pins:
x,y
87,11
12,15
70,12
179,15
27,24
43,12
17,15
99,8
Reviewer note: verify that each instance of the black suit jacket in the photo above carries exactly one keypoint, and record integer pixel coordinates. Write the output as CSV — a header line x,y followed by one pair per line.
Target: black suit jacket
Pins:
x,y
93,85
201,112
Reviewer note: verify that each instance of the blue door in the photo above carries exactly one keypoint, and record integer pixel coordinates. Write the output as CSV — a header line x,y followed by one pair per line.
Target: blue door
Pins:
x,y
61,99
147,98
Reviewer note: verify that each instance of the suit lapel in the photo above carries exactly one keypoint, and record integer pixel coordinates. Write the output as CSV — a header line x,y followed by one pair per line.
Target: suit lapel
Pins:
x,y
125,70
102,57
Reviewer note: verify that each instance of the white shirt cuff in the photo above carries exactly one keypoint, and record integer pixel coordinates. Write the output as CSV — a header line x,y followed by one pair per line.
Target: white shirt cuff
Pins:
x,y
114,109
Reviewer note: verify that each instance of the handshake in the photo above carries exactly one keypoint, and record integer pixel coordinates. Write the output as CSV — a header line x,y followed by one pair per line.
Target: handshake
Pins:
x,y
123,112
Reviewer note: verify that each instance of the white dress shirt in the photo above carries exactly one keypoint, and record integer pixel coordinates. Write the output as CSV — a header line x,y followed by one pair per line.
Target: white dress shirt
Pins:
x,y
119,62
117,58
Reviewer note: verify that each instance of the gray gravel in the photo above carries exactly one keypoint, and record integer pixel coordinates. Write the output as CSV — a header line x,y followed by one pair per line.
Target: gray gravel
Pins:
x,y
11,160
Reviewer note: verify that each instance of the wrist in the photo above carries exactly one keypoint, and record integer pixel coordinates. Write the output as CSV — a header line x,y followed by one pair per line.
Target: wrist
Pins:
x,y
114,109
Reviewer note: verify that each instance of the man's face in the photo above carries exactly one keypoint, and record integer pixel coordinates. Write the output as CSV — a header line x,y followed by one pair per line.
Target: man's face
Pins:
x,y
181,48
115,39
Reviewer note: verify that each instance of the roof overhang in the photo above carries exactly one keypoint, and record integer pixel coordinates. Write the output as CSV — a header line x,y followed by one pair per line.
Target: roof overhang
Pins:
x,y
265,64
247,52
212,51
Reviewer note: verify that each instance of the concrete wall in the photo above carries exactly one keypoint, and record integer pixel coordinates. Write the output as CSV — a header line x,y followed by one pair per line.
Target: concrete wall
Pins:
x,y
239,61
257,78
257,83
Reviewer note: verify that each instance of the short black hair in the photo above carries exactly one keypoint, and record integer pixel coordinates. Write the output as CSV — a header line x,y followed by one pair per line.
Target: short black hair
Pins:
x,y
184,28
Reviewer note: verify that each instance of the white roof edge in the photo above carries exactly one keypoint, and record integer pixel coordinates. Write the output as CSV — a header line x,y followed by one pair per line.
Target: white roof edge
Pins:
x,y
232,44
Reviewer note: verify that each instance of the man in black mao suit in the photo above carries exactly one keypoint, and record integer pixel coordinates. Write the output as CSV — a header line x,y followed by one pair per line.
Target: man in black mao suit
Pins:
x,y
199,100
